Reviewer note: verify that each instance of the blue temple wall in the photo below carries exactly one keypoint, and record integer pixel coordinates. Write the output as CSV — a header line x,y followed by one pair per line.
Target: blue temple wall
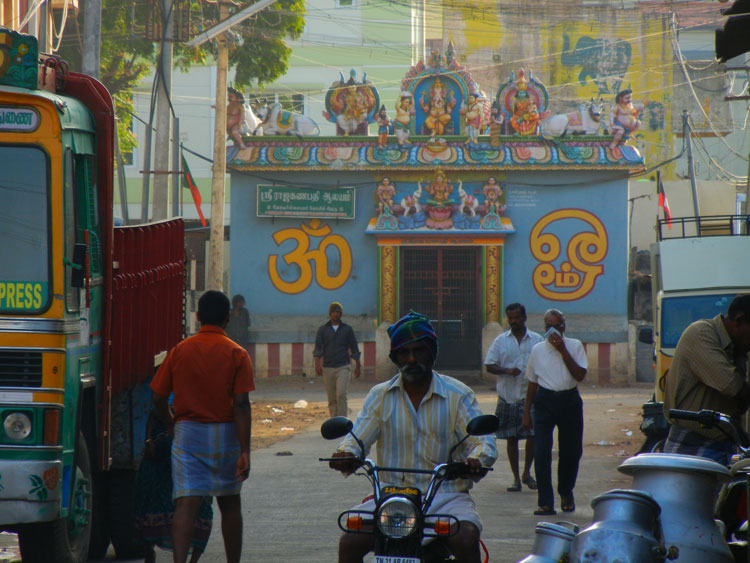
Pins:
x,y
569,205
252,243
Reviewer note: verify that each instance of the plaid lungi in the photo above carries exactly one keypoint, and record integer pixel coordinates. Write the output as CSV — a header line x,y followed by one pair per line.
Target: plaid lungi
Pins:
x,y
511,419
680,440
204,459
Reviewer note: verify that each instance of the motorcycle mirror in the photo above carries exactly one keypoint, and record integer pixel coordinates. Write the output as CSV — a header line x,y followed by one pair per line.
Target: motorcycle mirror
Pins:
x,y
336,427
483,425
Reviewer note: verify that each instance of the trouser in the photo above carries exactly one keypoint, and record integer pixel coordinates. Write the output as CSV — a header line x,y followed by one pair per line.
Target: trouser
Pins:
x,y
337,382
563,409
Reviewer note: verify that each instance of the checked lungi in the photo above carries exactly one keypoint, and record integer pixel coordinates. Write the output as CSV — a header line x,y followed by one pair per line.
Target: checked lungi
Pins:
x,y
204,459
511,420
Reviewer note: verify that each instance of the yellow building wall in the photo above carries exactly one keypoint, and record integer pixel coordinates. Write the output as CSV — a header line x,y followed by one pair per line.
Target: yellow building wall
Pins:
x,y
594,54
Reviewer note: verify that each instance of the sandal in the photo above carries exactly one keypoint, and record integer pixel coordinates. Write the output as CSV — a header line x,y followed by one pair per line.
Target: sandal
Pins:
x,y
516,488
568,504
545,511
530,482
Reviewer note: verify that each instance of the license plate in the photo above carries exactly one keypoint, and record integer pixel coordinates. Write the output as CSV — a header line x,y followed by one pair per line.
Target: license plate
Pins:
x,y
395,559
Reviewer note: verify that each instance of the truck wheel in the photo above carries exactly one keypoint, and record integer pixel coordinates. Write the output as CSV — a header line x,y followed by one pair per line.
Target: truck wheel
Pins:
x,y
65,540
99,521
122,514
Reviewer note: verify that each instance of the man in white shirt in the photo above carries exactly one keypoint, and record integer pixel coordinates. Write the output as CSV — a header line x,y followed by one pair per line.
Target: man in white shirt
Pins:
x,y
554,369
507,358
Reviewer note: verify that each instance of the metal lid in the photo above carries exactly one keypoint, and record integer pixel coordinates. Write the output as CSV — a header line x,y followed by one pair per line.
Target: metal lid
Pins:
x,y
674,462
633,495
551,529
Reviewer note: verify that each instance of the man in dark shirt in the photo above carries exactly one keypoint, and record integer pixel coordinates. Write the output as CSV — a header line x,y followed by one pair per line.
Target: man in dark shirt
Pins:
x,y
335,348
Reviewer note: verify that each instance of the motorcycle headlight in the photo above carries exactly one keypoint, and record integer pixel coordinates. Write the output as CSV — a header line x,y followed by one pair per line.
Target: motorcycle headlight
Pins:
x,y
397,517
17,426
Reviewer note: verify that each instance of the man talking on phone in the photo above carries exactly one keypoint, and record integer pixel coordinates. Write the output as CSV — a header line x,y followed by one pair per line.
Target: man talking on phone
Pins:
x,y
554,369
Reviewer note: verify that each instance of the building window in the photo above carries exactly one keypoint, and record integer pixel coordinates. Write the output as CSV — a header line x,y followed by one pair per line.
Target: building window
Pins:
x,y
344,3
289,102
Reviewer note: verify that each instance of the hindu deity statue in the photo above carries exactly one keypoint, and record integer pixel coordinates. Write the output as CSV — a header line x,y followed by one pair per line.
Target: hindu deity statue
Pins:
x,y
438,108
440,207
474,112
354,112
404,111
385,194
526,116
623,117
492,192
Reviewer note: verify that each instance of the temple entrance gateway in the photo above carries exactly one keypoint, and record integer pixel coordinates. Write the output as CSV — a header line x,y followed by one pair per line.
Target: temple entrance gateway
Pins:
x,y
444,283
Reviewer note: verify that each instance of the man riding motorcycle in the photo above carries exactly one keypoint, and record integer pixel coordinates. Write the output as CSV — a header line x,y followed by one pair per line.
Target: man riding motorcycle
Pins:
x,y
416,418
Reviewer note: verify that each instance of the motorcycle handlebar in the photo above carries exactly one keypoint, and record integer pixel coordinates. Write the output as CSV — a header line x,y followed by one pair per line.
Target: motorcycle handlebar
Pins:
x,y
679,414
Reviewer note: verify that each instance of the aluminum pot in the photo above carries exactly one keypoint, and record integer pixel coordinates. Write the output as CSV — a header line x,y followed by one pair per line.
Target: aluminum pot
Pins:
x,y
552,542
686,488
625,528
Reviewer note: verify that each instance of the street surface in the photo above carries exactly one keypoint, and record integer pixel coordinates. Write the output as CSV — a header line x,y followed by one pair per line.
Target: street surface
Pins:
x,y
291,502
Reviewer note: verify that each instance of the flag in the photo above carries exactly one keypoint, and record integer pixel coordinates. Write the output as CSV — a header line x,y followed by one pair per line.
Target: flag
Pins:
x,y
189,182
663,203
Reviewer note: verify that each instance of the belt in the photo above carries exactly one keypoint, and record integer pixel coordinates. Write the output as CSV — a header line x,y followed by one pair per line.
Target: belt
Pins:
x,y
551,392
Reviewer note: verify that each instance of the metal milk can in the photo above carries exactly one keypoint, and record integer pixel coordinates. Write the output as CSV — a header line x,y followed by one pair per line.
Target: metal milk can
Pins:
x,y
625,528
552,543
686,488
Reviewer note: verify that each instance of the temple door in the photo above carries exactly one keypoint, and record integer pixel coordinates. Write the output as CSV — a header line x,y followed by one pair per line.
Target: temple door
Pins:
x,y
444,283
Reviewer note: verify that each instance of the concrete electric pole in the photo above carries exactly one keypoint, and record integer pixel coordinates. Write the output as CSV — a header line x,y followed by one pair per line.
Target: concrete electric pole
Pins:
x,y
162,155
219,170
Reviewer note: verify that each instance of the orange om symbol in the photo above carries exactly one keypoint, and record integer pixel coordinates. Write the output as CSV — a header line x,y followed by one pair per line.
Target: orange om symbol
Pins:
x,y
585,251
304,258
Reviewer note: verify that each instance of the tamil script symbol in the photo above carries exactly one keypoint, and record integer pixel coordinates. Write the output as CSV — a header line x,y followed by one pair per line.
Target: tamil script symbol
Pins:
x,y
585,252
305,259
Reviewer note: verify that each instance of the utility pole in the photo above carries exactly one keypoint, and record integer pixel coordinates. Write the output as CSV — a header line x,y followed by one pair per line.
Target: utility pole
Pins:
x,y
219,170
691,167
162,156
92,26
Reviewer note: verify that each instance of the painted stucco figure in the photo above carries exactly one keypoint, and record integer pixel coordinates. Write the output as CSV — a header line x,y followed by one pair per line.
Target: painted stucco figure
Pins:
x,y
236,122
404,112
438,108
351,104
384,126
440,207
278,121
623,118
526,115
474,111
385,193
585,120
492,192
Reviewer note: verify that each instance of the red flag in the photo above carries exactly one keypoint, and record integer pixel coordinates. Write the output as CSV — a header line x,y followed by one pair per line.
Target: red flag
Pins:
x,y
663,203
189,182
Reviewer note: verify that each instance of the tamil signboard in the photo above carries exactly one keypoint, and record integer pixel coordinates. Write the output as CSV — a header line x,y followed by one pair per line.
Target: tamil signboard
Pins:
x,y
298,201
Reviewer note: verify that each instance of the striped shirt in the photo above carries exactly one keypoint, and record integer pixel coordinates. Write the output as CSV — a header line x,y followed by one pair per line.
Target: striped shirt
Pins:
x,y
421,438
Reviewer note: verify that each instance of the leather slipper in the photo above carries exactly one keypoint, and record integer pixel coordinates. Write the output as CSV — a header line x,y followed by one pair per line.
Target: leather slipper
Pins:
x,y
568,504
516,488
545,511
530,483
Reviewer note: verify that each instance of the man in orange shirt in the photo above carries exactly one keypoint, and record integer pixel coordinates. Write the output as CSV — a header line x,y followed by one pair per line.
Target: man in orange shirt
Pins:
x,y
210,376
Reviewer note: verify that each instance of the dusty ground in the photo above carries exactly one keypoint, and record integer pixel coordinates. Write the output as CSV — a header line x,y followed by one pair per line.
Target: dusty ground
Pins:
x,y
274,421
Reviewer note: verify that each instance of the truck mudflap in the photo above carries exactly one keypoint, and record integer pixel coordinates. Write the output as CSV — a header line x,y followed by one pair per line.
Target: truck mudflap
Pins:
x,y
30,491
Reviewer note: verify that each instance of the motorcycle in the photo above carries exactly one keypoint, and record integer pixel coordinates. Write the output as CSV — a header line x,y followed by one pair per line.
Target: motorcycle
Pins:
x,y
734,497
400,520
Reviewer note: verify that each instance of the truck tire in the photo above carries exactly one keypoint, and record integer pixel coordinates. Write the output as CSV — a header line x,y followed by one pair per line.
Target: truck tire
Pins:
x,y
65,540
100,519
122,513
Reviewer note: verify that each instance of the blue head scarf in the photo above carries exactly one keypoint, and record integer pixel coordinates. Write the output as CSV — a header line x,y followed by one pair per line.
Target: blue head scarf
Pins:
x,y
411,328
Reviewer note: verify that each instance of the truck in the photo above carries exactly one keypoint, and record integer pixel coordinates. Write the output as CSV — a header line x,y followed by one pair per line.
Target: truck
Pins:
x,y
698,265
87,311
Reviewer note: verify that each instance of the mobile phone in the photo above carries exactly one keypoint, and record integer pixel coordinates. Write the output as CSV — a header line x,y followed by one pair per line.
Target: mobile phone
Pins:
x,y
552,330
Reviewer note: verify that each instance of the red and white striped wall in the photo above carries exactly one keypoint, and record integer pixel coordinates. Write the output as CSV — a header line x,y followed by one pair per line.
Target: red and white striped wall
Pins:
x,y
274,359
607,363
